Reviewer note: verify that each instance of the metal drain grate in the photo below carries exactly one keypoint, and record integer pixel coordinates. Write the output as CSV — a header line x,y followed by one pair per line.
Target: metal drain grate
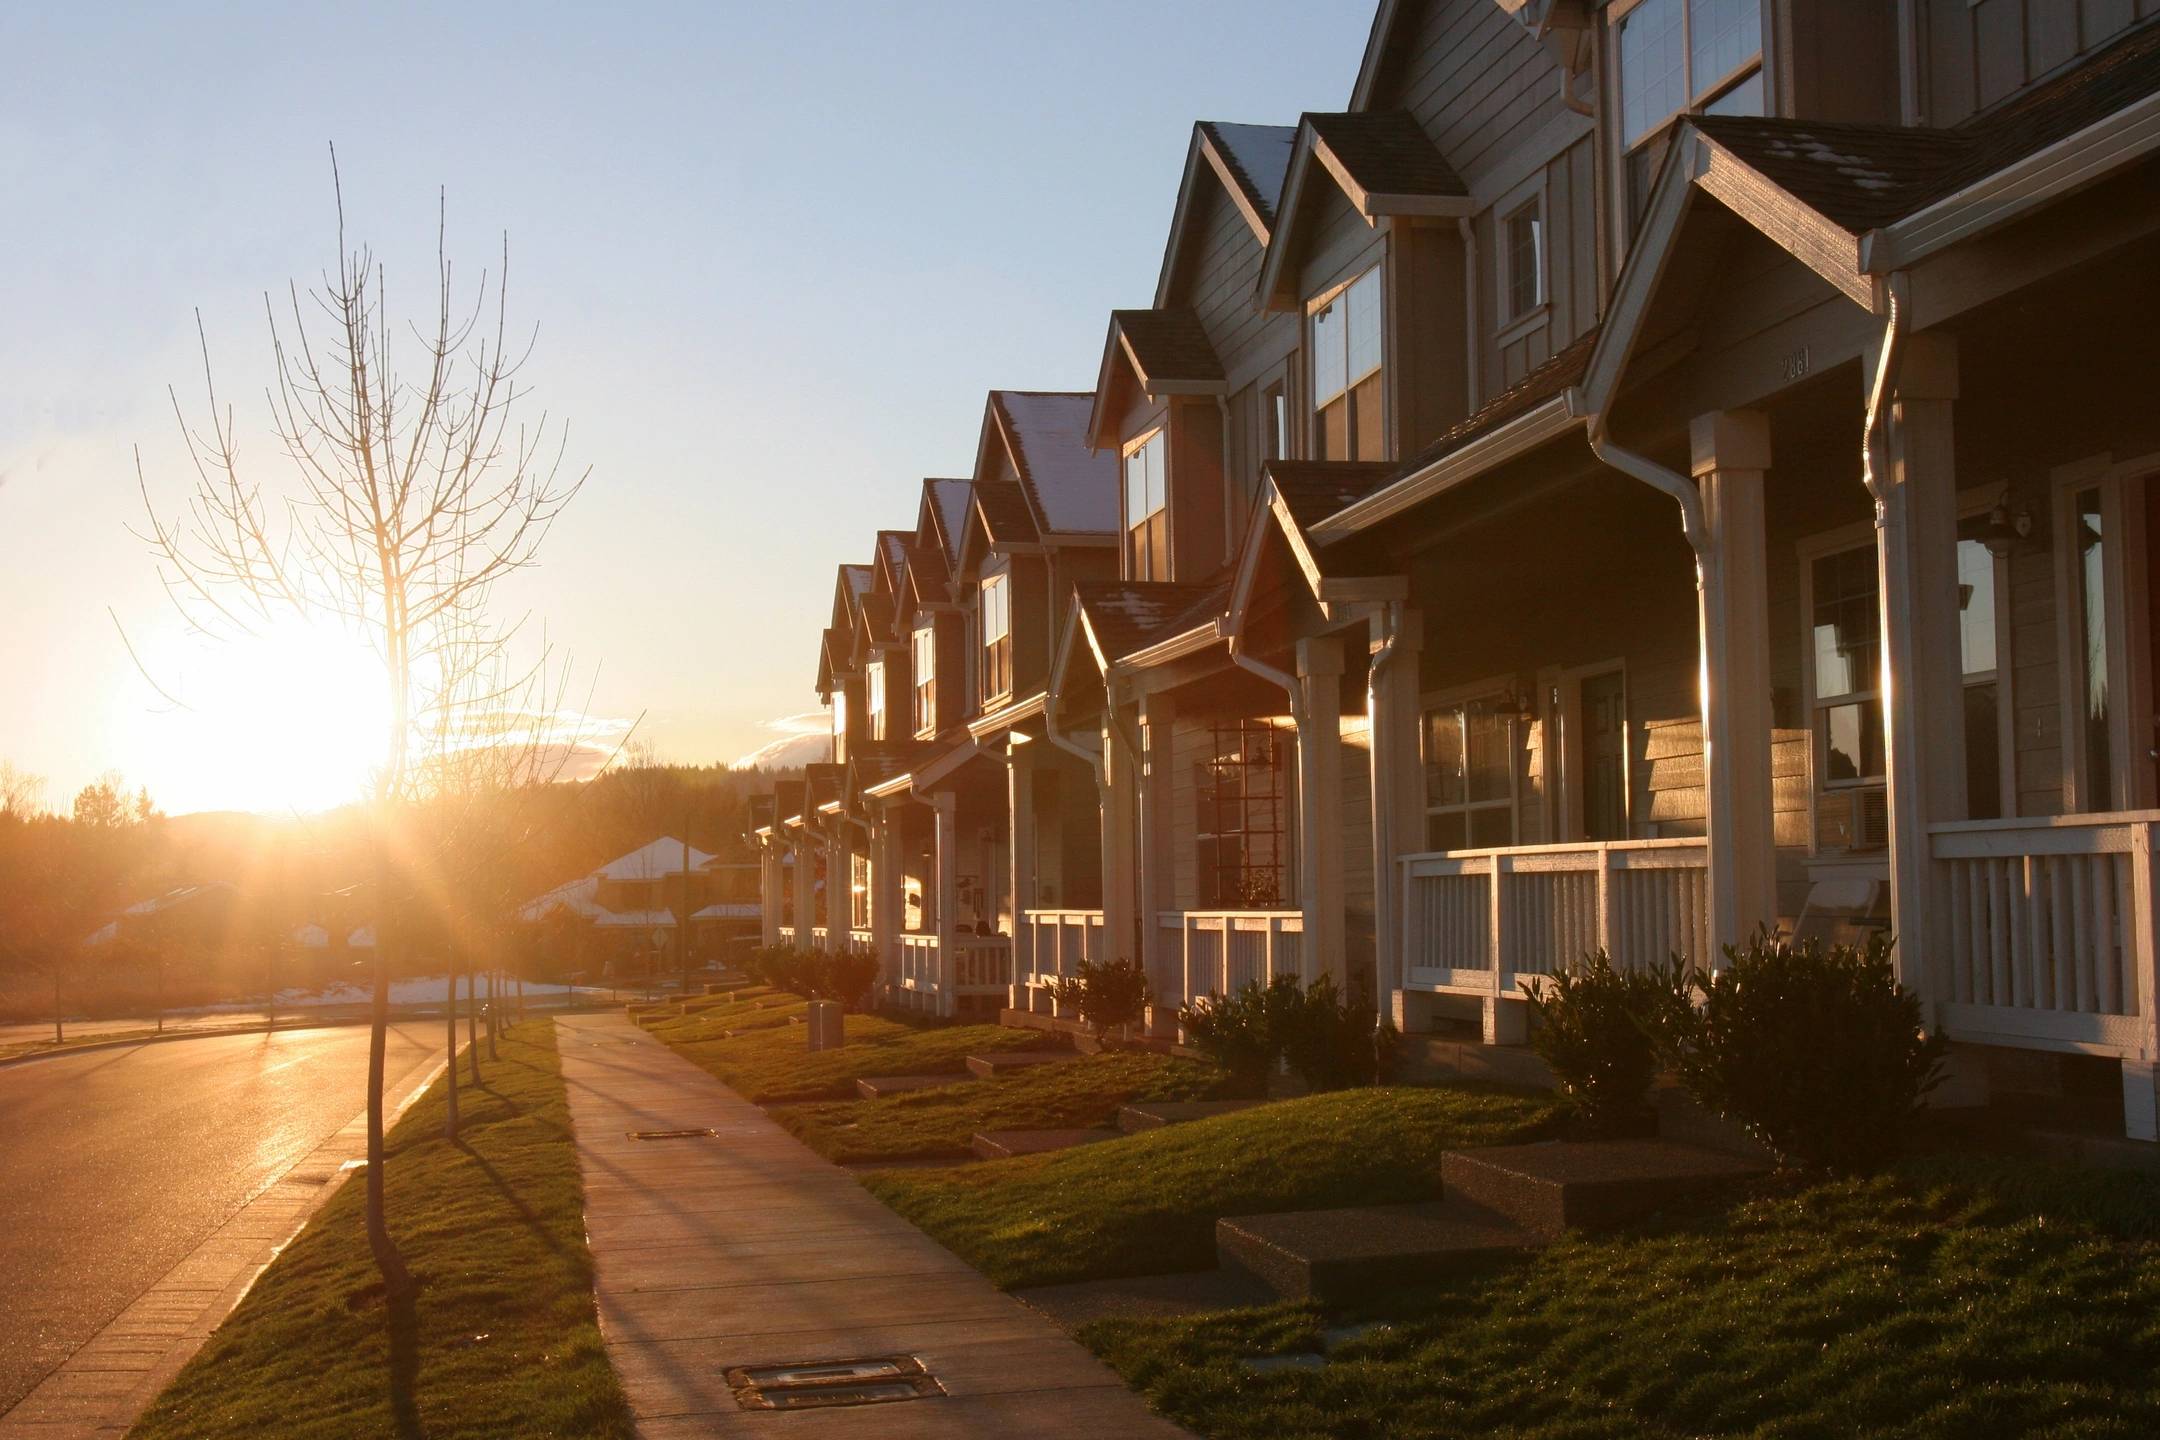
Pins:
x,y
670,1134
820,1384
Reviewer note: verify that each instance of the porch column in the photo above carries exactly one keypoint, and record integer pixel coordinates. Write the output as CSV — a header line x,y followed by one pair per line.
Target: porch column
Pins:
x,y
839,887
769,877
1397,782
805,888
1320,822
1916,523
884,890
1730,451
1156,889
1020,851
945,807
1122,938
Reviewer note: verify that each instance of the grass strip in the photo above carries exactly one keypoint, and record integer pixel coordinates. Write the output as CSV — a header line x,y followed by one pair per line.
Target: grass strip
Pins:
x,y
1085,1090
1147,1204
1956,1297
501,1340
775,1064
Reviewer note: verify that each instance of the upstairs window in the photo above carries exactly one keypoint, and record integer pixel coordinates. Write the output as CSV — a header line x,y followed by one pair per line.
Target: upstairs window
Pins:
x,y
1523,254
1683,55
1147,510
924,643
996,621
1347,351
874,699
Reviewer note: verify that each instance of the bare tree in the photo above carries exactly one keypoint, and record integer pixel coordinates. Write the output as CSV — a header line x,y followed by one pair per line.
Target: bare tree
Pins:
x,y
22,794
410,494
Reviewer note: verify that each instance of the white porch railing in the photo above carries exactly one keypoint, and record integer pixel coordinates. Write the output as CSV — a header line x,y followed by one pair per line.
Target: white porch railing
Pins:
x,y
1479,921
817,937
1219,952
787,934
980,965
1052,943
860,939
2044,931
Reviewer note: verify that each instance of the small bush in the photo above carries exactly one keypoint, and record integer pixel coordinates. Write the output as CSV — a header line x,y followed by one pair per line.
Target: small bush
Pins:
x,y
1242,1033
1816,1050
1604,1032
847,977
814,974
1330,1045
1107,993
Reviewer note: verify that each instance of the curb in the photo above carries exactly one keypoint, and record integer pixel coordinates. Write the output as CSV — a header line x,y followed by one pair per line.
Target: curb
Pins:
x,y
89,1047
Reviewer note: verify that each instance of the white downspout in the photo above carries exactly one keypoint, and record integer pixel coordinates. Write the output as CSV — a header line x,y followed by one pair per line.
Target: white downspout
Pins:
x,y
1386,963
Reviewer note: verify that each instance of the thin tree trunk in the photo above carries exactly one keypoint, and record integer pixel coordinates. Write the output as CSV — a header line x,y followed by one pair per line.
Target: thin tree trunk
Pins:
x,y
450,1120
494,1015
472,1021
59,1035
397,1279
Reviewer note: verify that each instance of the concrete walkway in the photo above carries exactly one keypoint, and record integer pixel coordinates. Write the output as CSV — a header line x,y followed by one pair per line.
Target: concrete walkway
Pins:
x,y
745,1249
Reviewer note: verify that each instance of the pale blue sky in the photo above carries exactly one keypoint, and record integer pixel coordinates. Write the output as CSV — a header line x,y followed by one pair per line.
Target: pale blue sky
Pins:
x,y
777,254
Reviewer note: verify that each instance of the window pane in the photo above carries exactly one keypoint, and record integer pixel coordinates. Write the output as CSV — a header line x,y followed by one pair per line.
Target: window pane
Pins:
x,y
1653,65
1492,826
1334,430
1976,606
1278,423
1444,757
1364,347
1449,831
1135,486
1490,758
1983,754
2092,659
1724,35
1846,626
1368,432
1328,353
1525,261
1852,741
1745,98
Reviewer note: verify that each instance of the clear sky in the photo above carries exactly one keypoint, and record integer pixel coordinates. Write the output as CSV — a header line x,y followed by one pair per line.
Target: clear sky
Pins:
x,y
776,255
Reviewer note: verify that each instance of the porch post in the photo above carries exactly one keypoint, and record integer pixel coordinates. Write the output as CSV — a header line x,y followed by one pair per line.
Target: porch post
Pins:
x,y
944,805
1157,884
1020,850
805,887
769,876
1320,823
1397,781
839,887
1730,451
884,889
1916,525
1114,795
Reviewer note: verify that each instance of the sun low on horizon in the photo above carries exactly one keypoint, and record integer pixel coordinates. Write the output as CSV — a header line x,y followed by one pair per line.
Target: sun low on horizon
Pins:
x,y
290,718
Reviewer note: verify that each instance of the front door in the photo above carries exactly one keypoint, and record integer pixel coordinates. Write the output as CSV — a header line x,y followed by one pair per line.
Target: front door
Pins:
x,y
1604,712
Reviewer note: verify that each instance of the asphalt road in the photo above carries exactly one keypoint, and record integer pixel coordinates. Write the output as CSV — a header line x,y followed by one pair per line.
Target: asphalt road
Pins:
x,y
115,1164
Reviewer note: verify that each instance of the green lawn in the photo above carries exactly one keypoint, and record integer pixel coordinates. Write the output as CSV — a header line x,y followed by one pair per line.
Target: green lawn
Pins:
x,y
1085,1090
1147,1204
500,1341
775,1064
1958,1298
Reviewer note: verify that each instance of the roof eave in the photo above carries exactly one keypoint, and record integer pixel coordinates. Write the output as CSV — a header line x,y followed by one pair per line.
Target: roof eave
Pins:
x,y
1526,432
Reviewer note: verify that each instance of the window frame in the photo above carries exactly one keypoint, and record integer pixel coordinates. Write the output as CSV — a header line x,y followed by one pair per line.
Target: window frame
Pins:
x,y
994,667
1459,699
1157,434
922,649
874,697
1813,548
1515,320
2121,489
1373,269
1696,98
1275,799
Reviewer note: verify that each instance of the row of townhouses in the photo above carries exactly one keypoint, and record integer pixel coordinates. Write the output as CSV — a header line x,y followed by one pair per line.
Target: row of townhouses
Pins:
x,y
1643,471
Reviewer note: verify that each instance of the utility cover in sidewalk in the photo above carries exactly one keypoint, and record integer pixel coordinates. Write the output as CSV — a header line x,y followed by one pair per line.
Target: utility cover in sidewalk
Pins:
x,y
697,1134
816,1384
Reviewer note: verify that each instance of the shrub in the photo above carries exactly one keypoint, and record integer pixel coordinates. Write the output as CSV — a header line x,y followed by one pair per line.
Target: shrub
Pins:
x,y
1242,1033
1330,1045
1604,1032
1107,993
847,977
1816,1050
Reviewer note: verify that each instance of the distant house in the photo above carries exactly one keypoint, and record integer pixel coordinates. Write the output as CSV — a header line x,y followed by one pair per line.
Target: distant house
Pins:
x,y
185,914
625,913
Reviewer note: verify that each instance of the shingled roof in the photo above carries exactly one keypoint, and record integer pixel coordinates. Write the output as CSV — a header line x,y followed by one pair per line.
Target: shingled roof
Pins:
x,y
1073,488
1168,346
1387,153
1864,177
1315,489
1258,158
1128,616
1006,517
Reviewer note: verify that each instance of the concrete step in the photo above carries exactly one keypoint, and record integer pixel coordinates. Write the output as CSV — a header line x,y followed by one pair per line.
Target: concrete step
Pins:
x,y
1557,1185
1003,1144
1004,1062
1340,1254
1154,1114
878,1087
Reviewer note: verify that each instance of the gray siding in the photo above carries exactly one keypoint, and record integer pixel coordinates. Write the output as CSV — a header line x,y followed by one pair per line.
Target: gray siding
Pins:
x,y
1978,53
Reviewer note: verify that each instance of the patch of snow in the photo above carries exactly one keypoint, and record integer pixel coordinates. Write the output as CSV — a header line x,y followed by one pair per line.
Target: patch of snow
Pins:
x,y
1262,152
1075,487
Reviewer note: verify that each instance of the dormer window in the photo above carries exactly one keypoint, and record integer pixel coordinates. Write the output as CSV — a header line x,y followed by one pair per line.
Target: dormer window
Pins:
x,y
1683,55
924,643
1347,351
996,621
1147,509
1523,252
874,699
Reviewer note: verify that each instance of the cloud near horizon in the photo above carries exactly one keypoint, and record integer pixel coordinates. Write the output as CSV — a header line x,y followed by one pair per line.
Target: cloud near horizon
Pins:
x,y
798,739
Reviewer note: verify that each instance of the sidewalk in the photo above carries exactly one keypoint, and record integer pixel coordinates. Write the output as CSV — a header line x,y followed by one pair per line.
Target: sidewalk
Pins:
x,y
747,1249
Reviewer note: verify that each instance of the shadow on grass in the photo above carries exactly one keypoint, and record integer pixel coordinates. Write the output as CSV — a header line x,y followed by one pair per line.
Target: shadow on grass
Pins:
x,y
404,1319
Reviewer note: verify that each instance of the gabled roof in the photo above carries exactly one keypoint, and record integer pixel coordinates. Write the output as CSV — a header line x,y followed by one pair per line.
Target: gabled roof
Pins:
x,y
943,517
761,812
889,598
1294,496
652,860
822,784
1070,487
1249,163
788,797
1383,163
927,577
1163,352
1006,516
1122,618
